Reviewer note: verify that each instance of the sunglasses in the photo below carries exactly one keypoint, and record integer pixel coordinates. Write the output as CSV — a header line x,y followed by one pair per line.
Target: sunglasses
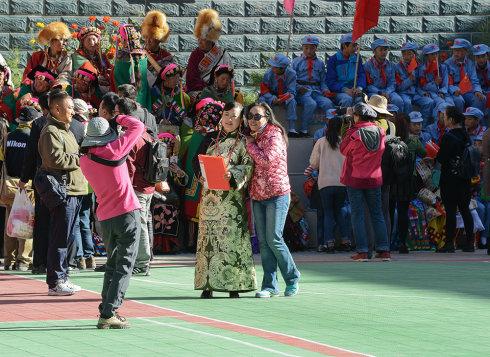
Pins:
x,y
255,117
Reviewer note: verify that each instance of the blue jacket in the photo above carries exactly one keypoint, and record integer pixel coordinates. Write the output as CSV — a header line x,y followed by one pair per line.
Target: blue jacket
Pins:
x,y
426,81
341,71
404,84
484,77
432,132
270,80
317,80
469,68
373,77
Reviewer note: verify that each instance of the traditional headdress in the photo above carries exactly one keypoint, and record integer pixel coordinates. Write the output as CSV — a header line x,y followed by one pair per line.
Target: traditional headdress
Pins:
x,y
54,30
86,31
87,71
129,40
155,26
223,68
43,73
209,117
208,25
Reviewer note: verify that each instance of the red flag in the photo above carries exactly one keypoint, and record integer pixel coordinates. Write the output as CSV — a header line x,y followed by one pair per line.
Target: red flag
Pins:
x,y
365,17
289,6
412,65
465,85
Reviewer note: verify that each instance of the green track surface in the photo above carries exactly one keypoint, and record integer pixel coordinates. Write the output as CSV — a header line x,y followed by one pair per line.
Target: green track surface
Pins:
x,y
383,309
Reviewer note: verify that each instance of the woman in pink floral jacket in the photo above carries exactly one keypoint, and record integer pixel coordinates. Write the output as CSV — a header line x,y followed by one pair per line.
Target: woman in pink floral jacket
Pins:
x,y
270,193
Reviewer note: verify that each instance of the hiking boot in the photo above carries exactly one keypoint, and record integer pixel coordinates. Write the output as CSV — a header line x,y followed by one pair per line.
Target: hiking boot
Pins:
x,y
234,295
360,257
384,256
81,265
113,322
61,289
100,268
74,287
90,263
207,294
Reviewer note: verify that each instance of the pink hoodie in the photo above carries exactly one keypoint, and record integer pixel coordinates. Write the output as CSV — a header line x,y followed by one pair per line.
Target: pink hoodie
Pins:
x,y
363,146
112,185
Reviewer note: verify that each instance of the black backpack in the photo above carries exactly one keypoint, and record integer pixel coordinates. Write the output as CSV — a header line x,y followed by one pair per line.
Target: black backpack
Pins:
x,y
156,164
466,165
397,159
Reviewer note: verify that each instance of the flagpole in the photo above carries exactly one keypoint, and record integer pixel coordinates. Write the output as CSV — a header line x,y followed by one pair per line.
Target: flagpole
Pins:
x,y
290,32
357,69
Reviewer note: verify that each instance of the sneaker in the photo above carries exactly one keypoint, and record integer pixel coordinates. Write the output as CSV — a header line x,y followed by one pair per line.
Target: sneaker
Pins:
x,y
360,257
7,267
293,134
100,268
21,267
90,263
74,287
266,294
384,256
291,290
344,247
72,270
321,248
81,264
61,289
141,271
113,322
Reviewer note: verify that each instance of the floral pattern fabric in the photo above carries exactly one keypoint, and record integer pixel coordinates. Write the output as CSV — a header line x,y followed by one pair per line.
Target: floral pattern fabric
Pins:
x,y
224,259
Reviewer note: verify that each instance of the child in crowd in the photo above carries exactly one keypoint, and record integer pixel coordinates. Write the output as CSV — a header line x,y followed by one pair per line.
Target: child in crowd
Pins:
x,y
473,118
223,87
312,89
279,88
435,131
39,81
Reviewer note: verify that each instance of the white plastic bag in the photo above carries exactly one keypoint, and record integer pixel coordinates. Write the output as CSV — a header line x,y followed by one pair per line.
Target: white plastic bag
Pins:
x,y
20,223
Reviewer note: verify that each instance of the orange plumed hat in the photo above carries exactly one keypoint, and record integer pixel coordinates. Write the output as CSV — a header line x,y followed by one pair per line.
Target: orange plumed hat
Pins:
x,y
155,26
54,30
208,25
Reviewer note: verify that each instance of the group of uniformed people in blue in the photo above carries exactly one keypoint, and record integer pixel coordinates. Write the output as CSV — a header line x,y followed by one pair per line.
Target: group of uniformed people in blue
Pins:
x,y
426,83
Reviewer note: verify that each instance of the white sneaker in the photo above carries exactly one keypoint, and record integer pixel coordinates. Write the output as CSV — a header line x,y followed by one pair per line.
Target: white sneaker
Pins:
x,y
74,287
61,289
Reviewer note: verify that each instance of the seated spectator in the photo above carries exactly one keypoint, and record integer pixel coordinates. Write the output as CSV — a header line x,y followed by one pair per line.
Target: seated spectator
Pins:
x,y
17,252
435,131
223,87
473,118
415,127
341,69
363,146
312,90
480,53
380,74
279,88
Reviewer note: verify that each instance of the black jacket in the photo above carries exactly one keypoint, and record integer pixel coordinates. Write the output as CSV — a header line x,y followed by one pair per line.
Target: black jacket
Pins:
x,y
32,159
16,149
452,145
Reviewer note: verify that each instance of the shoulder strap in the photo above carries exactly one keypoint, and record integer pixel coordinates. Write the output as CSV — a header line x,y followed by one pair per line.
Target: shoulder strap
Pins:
x,y
106,162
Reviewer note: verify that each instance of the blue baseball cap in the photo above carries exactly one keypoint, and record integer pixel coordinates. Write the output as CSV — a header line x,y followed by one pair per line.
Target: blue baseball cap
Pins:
x,y
416,117
310,40
473,112
409,46
481,49
442,107
430,48
347,38
461,43
392,108
331,113
279,60
380,42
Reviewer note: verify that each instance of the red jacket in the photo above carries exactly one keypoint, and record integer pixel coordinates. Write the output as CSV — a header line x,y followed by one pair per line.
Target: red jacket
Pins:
x,y
270,176
136,163
363,146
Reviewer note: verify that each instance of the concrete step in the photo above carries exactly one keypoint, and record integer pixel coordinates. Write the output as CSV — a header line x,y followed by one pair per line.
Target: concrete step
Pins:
x,y
299,151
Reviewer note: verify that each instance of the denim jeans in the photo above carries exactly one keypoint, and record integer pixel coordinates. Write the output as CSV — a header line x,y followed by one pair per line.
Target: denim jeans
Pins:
x,y
333,199
359,199
144,252
269,217
83,235
63,218
121,237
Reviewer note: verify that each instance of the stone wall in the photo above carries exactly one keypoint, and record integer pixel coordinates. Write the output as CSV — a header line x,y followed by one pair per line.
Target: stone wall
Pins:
x,y
254,29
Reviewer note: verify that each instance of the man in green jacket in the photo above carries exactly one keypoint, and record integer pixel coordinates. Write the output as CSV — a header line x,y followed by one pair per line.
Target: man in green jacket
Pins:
x,y
59,153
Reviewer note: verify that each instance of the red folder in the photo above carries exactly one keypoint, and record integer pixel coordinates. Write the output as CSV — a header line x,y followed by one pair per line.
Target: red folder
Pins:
x,y
213,169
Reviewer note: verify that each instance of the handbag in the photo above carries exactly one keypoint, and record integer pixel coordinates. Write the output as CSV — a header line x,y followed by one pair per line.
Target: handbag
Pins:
x,y
51,188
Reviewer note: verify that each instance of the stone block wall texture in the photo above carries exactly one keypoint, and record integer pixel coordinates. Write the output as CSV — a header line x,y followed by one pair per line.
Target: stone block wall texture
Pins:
x,y
253,30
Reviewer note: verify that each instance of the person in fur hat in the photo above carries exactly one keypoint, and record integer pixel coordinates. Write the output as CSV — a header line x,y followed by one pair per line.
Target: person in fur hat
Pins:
x,y
39,80
85,84
89,51
204,60
155,31
54,56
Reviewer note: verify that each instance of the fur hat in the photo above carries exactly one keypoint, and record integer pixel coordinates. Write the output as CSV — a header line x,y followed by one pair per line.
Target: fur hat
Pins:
x,y
51,31
155,26
208,25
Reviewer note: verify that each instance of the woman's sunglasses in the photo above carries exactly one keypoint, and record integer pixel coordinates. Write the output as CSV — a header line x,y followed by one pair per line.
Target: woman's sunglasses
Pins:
x,y
255,117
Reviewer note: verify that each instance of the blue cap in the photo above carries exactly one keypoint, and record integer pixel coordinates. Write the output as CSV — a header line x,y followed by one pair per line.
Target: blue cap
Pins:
x,y
442,107
310,40
347,38
473,112
430,48
416,117
461,43
380,42
392,108
481,49
279,60
409,46
331,113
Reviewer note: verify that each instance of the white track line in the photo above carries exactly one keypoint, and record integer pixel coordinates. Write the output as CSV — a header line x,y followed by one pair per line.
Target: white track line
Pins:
x,y
219,336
